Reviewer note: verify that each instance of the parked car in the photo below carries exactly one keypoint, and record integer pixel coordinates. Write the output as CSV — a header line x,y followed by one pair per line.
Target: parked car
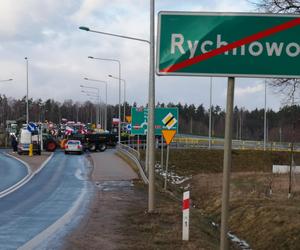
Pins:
x,y
73,146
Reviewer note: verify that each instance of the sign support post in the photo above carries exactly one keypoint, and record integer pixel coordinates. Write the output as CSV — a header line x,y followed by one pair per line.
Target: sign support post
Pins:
x,y
227,163
167,165
138,144
168,135
210,113
41,137
162,152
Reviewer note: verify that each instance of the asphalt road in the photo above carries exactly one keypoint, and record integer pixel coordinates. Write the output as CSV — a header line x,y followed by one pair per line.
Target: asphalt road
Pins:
x,y
115,195
11,171
109,167
40,213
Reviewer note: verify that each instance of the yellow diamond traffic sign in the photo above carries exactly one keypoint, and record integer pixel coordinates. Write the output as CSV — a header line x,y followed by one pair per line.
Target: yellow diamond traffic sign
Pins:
x,y
169,121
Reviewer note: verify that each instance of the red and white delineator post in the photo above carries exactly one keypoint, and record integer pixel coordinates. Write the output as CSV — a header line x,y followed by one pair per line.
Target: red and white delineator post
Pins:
x,y
185,215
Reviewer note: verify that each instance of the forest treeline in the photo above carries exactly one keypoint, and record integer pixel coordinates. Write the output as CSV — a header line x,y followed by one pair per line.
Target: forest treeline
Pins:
x,y
248,124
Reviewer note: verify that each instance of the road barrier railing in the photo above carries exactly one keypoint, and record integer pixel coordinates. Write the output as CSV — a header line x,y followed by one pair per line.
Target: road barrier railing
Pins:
x,y
134,156
217,143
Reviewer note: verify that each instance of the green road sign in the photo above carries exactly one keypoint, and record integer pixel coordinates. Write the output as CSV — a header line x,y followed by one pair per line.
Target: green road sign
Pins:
x,y
228,44
165,118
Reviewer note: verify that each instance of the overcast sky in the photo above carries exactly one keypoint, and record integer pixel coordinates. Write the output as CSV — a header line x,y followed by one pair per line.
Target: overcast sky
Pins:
x,y
46,31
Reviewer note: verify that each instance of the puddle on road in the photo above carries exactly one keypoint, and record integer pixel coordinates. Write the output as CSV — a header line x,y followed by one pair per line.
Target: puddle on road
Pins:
x,y
114,185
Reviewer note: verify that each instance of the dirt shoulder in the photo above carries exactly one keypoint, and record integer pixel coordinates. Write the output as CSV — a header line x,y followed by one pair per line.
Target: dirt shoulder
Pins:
x,y
118,219
34,161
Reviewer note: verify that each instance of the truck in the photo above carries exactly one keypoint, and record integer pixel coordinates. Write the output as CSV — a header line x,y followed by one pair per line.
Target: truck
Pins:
x,y
95,141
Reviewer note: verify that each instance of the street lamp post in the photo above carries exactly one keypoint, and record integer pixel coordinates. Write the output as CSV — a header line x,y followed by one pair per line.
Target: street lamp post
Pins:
x,y
151,102
90,96
124,116
105,115
119,63
96,95
27,106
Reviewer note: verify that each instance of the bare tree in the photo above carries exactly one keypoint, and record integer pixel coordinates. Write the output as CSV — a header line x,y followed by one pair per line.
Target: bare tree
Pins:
x,y
279,6
289,88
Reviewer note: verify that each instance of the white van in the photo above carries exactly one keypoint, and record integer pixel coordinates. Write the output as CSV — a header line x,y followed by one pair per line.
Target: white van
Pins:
x,y
25,138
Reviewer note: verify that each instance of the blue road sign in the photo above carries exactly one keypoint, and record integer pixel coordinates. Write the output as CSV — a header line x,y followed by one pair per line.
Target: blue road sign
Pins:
x,y
31,127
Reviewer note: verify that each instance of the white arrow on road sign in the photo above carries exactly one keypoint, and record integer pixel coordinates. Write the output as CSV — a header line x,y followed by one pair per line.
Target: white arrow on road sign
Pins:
x,y
31,127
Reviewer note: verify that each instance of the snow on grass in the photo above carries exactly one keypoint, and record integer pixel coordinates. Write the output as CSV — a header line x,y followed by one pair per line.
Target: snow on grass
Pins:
x,y
172,177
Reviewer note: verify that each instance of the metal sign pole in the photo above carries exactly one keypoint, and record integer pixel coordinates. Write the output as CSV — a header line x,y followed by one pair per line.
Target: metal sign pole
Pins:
x,y
147,154
265,118
167,165
209,127
162,152
41,137
227,163
138,144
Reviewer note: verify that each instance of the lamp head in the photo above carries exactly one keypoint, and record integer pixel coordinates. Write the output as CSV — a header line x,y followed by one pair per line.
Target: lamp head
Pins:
x,y
84,28
86,78
91,57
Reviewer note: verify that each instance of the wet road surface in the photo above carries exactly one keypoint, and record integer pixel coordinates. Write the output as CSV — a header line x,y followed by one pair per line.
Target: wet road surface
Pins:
x,y
11,171
26,213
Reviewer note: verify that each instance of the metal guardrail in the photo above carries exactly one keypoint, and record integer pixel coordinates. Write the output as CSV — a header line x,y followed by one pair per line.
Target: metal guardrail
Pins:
x,y
130,150
134,155
190,142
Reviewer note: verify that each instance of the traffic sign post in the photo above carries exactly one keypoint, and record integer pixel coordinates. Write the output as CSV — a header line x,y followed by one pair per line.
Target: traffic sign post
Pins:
x,y
162,152
31,127
228,44
168,135
227,163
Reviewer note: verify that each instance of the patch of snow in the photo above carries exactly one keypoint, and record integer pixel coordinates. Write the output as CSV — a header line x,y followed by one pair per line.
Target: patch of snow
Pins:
x,y
237,241
241,243
171,176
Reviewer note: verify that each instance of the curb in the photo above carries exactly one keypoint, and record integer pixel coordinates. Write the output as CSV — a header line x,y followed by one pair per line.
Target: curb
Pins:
x,y
27,178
